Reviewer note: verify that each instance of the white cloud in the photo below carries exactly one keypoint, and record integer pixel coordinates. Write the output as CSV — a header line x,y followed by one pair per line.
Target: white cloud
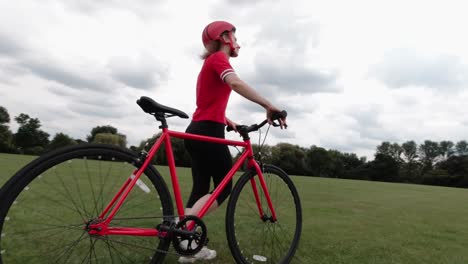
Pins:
x,y
405,67
144,72
79,64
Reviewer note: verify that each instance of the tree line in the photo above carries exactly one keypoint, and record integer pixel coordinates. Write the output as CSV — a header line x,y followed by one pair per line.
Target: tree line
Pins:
x,y
442,163
31,139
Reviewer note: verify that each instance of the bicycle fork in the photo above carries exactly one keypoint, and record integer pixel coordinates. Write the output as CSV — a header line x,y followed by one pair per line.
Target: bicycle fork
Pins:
x,y
263,185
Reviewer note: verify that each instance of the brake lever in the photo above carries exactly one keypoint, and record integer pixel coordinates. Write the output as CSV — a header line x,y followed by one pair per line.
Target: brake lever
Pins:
x,y
277,125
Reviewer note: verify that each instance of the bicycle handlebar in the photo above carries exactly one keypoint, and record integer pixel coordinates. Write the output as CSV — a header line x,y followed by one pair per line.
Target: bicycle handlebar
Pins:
x,y
255,127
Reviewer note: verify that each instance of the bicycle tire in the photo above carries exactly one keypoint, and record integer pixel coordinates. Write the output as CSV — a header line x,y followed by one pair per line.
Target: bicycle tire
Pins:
x,y
70,186
252,240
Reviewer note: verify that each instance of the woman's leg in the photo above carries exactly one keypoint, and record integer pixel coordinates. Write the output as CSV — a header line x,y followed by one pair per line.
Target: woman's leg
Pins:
x,y
199,204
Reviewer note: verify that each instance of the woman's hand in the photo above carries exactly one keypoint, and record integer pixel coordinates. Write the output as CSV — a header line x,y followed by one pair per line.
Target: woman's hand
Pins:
x,y
270,111
232,124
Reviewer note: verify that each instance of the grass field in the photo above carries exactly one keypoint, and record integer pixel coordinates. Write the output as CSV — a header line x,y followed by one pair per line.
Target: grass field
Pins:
x,y
347,221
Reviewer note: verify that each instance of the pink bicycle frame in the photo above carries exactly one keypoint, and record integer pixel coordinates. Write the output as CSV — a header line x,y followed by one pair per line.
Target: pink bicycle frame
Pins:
x,y
102,228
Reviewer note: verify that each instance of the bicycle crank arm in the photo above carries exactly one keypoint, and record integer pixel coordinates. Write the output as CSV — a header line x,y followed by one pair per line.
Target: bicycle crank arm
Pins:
x,y
178,232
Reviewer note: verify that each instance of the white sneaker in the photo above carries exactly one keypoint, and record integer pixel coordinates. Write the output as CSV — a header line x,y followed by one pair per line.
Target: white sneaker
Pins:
x,y
204,254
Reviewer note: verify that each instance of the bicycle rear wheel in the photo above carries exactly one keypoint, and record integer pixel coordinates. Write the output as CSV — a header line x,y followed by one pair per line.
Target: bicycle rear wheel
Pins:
x,y
45,208
253,239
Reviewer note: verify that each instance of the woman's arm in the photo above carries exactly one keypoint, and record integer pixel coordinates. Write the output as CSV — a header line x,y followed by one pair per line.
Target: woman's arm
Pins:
x,y
246,91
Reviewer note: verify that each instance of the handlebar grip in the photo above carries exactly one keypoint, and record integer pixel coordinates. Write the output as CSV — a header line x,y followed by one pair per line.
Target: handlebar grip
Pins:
x,y
279,115
255,127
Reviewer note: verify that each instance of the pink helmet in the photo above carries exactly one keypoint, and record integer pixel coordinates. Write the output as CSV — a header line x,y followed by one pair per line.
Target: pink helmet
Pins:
x,y
214,30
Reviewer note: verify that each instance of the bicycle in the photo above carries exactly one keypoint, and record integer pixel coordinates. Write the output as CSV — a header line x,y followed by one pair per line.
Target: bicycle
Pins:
x,y
66,206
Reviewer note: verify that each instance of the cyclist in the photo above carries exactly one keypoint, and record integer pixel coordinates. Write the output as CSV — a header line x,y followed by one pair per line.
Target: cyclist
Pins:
x,y
215,81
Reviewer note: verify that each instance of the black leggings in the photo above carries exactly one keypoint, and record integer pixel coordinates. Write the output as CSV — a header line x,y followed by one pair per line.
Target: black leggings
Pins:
x,y
208,160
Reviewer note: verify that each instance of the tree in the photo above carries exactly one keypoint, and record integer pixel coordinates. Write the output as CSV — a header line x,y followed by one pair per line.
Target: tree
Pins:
x,y
4,116
336,169
428,152
409,149
384,168
384,148
80,141
29,137
317,161
181,156
289,157
112,139
457,167
437,177
5,134
446,149
351,161
409,170
5,139
461,148
393,150
101,129
265,152
61,140
109,135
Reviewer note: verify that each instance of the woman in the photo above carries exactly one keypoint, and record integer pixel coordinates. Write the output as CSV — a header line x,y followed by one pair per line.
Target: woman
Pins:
x,y
215,81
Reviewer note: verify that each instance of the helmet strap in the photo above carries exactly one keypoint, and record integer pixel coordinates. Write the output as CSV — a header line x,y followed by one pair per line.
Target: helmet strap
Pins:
x,y
230,43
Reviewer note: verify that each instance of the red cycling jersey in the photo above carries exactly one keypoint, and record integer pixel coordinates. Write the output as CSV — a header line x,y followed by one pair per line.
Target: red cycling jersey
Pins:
x,y
212,92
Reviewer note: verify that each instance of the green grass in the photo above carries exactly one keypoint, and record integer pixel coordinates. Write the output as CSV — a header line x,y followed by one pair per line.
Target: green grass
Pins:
x,y
347,221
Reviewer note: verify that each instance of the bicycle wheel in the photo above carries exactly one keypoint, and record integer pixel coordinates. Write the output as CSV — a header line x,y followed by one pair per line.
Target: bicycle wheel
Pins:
x,y
45,207
253,240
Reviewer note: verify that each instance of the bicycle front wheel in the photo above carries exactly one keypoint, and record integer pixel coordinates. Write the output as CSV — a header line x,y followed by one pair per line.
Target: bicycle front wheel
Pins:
x,y
46,207
253,238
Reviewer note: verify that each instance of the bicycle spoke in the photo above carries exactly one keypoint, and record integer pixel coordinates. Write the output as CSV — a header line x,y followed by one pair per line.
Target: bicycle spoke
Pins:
x,y
47,215
133,246
125,209
72,248
275,241
51,251
109,250
92,252
119,254
91,185
249,201
99,198
114,183
84,259
80,196
44,197
51,228
69,195
45,182
104,183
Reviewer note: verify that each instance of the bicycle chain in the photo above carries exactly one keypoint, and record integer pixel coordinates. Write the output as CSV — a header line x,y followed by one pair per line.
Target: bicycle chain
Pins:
x,y
156,250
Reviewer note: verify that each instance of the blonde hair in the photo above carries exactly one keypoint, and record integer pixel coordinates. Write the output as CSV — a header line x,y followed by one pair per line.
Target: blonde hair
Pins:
x,y
211,47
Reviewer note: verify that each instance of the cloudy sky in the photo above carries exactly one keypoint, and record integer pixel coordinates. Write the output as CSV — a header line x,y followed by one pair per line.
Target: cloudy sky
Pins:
x,y
351,74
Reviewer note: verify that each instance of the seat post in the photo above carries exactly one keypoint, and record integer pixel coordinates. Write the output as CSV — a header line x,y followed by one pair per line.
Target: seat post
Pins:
x,y
160,117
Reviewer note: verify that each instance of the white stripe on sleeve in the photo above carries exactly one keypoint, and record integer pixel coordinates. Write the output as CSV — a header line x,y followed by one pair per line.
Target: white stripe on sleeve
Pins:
x,y
226,73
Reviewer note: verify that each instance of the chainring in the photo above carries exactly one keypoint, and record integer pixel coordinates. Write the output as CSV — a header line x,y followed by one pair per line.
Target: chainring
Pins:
x,y
188,242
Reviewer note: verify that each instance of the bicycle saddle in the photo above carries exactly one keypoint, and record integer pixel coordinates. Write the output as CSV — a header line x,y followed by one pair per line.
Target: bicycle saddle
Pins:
x,y
152,107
